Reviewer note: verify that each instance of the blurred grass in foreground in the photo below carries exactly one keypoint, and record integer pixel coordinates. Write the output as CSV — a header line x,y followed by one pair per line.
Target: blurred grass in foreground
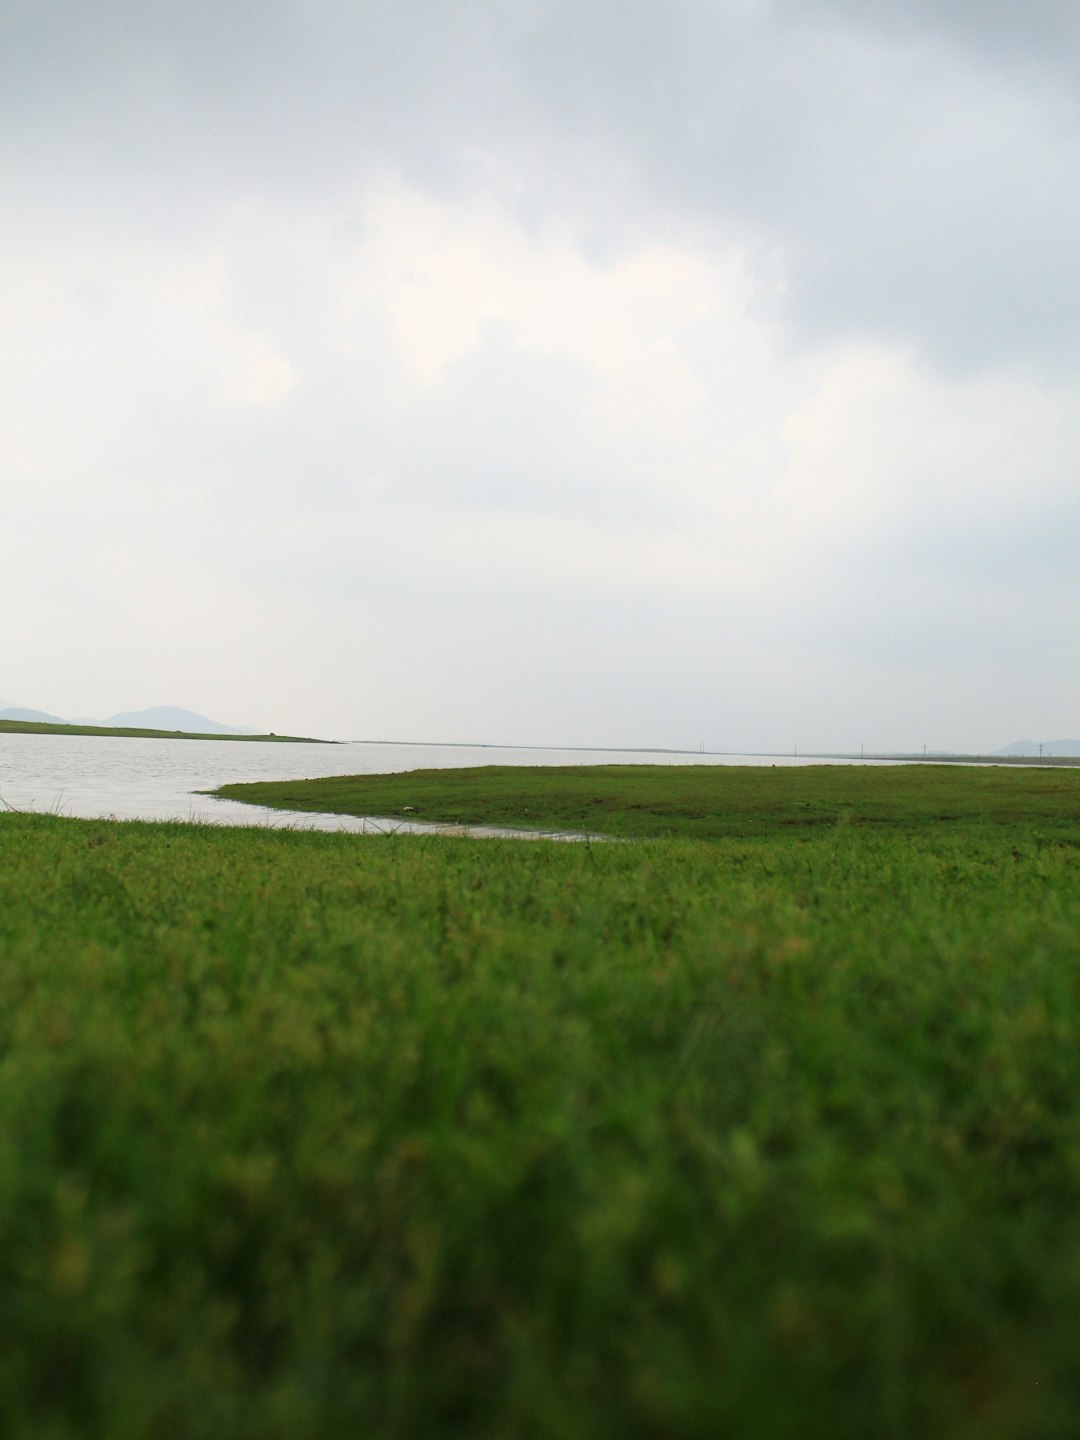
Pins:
x,y
315,1135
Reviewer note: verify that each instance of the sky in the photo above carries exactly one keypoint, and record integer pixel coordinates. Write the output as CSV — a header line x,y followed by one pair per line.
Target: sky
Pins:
x,y
660,372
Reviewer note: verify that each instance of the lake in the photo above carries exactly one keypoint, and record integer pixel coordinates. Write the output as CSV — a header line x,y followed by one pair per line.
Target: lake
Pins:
x,y
101,777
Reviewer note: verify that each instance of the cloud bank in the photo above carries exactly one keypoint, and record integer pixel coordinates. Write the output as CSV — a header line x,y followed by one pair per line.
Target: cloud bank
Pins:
x,y
653,374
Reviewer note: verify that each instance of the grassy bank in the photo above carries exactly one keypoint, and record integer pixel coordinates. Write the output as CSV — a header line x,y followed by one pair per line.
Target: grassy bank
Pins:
x,y
705,802
770,1136
37,727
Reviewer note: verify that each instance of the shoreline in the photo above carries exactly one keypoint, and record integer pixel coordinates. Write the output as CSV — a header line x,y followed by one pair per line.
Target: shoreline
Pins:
x,y
123,732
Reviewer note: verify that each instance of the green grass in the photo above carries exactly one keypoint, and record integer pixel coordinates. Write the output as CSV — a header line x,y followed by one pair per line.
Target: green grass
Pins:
x,y
40,727
705,802
771,1135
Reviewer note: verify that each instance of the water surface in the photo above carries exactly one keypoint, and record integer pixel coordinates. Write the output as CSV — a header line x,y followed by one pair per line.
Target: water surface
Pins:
x,y
100,777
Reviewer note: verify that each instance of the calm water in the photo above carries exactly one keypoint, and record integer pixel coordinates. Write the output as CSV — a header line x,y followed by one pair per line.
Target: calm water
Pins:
x,y
101,777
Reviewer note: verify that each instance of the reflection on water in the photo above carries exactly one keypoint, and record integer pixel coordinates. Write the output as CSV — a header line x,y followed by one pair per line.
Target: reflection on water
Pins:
x,y
135,779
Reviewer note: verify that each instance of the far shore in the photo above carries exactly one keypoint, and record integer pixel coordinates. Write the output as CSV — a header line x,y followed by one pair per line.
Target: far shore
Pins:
x,y
967,759
39,727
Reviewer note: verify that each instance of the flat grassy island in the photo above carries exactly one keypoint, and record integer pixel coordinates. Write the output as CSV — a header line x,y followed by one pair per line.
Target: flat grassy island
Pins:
x,y
701,802
41,727
769,1127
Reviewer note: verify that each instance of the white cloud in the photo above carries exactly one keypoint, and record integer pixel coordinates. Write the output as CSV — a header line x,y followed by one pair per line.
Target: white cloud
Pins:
x,y
713,373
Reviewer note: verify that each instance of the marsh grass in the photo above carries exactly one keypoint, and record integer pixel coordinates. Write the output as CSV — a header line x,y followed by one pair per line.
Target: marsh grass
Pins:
x,y
705,802
771,1136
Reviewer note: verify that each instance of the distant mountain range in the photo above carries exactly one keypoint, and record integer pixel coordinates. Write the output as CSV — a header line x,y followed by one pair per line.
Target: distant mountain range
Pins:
x,y
158,717
16,712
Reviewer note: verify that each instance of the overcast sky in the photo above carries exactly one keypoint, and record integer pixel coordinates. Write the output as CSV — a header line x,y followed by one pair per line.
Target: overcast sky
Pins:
x,y
641,372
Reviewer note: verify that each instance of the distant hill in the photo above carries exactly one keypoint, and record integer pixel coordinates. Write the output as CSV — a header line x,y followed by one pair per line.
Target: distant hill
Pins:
x,y
1049,747
172,717
16,712
158,717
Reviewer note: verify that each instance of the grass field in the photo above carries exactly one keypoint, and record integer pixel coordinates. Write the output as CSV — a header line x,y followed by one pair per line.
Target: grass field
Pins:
x,y
41,727
773,1132
703,802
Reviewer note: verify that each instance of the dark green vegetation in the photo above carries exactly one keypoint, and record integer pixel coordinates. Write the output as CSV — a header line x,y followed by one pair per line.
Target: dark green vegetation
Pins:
x,y
39,727
704,802
773,1135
